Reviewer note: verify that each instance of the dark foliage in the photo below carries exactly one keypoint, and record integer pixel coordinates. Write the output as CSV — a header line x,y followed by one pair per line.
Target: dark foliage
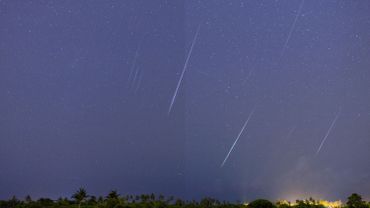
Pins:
x,y
114,200
355,201
261,203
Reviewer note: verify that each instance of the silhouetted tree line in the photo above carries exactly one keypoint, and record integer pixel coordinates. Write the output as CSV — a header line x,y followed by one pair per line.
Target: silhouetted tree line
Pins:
x,y
81,199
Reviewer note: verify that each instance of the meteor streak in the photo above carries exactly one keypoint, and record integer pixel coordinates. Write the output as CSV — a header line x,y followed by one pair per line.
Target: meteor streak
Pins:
x,y
184,69
237,138
328,132
139,83
134,63
137,72
292,28
290,133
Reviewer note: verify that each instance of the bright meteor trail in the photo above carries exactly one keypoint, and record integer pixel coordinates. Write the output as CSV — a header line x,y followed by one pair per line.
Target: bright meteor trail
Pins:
x,y
183,70
292,28
328,132
237,138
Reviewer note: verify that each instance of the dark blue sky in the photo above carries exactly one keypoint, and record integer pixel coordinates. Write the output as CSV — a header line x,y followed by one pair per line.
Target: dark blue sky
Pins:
x,y
85,89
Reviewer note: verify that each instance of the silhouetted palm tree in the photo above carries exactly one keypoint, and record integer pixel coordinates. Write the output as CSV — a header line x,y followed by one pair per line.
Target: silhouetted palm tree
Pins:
x,y
113,195
80,196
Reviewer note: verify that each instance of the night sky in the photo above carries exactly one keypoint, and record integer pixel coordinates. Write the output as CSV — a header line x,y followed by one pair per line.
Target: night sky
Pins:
x,y
86,89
